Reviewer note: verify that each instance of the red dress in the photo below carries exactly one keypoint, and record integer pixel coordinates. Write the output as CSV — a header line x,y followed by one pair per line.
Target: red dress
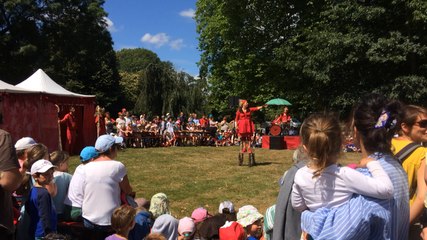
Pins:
x,y
244,122
70,121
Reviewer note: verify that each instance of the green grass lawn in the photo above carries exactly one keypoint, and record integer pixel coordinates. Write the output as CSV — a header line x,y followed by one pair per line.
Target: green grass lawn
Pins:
x,y
204,176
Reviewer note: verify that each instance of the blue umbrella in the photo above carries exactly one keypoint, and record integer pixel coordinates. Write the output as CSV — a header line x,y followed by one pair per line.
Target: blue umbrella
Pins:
x,y
279,102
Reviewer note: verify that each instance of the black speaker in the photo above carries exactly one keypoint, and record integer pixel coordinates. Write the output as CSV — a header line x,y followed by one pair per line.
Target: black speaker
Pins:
x,y
233,102
277,142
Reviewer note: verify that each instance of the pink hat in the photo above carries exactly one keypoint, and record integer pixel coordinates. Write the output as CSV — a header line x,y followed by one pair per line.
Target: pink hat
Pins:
x,y
186,225
231,231
199,215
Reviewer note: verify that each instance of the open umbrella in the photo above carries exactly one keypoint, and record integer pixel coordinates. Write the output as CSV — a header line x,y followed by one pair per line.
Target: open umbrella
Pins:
x,y
279,102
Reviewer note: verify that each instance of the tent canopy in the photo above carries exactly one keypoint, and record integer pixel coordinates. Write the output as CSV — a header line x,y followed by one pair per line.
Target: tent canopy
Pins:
x,y
41,82
6,87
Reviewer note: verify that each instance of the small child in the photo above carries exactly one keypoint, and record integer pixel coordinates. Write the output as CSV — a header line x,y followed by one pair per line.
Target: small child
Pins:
x,y
39,206
61,178
186,228
322,183
143,220
122,221
155,236
251,220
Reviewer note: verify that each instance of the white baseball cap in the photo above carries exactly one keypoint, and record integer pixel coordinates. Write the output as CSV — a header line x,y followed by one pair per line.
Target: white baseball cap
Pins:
x,y
24,143
41,166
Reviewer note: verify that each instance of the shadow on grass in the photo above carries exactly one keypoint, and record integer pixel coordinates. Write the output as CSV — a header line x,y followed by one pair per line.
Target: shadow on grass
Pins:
x,y
259,164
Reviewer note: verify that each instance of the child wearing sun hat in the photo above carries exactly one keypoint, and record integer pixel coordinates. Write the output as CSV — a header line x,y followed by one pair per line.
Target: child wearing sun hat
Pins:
x,y
186,228
251,220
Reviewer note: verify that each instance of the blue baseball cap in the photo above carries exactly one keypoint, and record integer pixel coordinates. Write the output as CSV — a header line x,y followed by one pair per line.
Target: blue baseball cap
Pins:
x,y
88,153
105,142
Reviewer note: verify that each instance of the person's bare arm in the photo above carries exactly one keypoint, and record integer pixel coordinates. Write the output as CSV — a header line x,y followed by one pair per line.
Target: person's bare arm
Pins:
x,y
125,185
10,180
417,206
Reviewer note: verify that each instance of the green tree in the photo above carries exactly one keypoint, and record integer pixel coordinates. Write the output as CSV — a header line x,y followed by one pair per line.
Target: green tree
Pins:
x,y
154,87
317,54
67,39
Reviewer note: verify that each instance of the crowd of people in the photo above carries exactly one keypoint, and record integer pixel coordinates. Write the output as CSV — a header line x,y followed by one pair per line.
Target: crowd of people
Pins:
x,y
381,197
167,130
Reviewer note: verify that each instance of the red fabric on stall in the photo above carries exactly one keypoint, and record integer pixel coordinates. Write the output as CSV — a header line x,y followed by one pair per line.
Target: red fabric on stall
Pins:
x,y
35,115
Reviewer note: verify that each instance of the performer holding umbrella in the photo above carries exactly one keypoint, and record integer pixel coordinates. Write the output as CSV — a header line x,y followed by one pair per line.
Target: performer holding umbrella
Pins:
x,y
245,129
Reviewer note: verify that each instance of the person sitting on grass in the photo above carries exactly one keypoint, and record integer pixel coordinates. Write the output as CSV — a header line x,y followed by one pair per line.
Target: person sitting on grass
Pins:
x,y
155,236
167,226
251,220
186,228
40,208
209,229
122,221
143,220
159,205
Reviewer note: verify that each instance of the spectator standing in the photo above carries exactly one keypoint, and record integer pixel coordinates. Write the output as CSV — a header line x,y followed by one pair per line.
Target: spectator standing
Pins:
x,y
372,218
61,178
9,182
413,132
22,146
70,121
104,178
39,206
74,199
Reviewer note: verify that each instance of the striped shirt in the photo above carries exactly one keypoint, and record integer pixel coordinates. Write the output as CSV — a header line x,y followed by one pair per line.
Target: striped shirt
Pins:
x,y
363,217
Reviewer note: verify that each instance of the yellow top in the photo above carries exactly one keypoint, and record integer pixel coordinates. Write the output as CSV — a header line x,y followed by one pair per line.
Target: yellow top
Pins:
x,y
410,165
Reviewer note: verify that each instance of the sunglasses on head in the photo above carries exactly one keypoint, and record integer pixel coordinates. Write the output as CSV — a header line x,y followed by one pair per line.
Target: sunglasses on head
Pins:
x,y
422,123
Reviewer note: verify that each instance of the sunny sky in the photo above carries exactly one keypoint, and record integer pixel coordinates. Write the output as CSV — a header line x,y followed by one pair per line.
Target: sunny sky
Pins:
x,y
165,27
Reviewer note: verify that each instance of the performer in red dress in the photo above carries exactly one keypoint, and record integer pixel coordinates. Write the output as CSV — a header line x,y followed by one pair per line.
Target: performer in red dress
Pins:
x,y
245,129
285,117
70,121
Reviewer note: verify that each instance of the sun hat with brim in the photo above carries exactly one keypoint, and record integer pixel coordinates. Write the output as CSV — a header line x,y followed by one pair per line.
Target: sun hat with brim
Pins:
x,y
88,153
186,225
41,166
24,143
247,215
105,142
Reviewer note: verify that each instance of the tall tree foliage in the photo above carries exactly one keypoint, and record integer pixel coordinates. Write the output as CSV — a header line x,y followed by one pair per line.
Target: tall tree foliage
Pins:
x,y
154,87
317,54
68,39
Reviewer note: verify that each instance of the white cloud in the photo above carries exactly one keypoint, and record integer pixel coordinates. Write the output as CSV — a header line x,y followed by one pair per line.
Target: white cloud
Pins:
x,y
110,25
177,44
190,13
158,39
